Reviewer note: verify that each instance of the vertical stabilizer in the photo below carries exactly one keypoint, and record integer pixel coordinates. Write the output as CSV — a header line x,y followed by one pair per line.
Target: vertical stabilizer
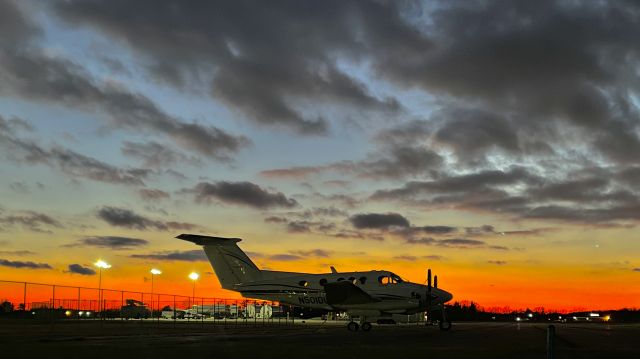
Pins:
x,y
231,264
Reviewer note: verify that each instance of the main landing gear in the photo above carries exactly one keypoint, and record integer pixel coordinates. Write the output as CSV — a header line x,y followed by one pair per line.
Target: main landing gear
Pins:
x,y
353,326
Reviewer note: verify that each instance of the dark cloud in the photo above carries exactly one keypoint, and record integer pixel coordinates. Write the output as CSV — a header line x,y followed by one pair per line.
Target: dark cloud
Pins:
x,y
276,219
240,193
285,257
413,258
397,161
349,234
195,255
433,257
298,227
79,269
30,220
152,194
156,155
548,66
69,162
19,187
313,253
462,243
437,229
595,196
407,258
30,73
263,82
499,263
293,172
112,242
24,265
17,253
636,269
122,217
378,220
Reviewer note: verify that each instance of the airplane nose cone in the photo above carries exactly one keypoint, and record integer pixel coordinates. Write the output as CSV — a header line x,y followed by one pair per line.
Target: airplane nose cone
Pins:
x,y
446,296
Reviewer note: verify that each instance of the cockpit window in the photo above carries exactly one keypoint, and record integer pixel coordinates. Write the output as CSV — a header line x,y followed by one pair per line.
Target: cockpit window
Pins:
x,y
389,279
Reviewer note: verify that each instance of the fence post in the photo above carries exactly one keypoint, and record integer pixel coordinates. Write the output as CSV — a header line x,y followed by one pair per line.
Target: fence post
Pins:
x,y
551,342
121,304
53,303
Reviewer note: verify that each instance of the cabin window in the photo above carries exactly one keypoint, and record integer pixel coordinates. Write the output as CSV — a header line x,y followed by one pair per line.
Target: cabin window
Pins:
x,y
384,280
363,280
323,281
304,283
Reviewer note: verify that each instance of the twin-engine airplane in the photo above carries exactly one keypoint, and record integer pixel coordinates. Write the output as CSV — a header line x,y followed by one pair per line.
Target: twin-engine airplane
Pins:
x,y
373,295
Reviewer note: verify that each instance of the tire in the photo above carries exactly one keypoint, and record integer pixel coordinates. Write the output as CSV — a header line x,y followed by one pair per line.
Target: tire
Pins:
x,y
353,326
445,325
366,326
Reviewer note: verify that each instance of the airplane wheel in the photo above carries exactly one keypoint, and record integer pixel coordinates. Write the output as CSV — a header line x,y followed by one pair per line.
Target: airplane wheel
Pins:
x,y
366,327
353,326
445,325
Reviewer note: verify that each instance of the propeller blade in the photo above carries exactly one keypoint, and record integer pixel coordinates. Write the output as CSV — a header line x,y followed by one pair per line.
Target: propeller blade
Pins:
x,y
435,282
429,280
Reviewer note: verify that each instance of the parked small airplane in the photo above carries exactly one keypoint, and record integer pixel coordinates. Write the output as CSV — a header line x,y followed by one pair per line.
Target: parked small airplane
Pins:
x,y
373,295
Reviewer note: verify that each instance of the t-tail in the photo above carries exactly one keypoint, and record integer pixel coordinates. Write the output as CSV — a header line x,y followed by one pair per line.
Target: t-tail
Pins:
x,y
231,264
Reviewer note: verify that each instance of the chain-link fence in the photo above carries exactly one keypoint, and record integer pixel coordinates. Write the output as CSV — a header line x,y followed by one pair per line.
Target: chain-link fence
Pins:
x,y
47,302
39,303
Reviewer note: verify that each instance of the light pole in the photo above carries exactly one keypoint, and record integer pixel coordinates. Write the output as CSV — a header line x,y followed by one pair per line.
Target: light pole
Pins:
x,y
153,272
194,277
101,265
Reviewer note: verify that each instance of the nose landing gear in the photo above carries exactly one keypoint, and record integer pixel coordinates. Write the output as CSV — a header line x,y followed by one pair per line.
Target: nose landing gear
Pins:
x,y
353,326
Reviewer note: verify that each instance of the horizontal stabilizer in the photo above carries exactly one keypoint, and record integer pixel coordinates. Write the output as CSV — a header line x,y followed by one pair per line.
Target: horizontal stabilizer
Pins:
x,y
207,240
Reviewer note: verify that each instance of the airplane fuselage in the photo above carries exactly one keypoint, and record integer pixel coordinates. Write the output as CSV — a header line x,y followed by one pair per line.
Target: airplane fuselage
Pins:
x,y
393,295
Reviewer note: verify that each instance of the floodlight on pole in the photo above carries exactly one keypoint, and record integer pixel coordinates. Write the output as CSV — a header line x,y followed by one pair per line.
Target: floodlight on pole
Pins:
x,y
194,277
101,265
154,272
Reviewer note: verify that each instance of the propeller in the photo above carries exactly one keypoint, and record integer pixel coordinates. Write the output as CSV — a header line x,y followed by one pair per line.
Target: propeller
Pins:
x,y
427,297
435,282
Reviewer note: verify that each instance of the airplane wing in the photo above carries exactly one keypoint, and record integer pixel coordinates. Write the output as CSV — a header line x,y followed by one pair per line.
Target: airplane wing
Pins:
x,y
345,293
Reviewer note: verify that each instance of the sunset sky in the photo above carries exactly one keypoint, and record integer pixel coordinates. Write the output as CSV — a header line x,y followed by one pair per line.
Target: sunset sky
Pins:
x,y
497,143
